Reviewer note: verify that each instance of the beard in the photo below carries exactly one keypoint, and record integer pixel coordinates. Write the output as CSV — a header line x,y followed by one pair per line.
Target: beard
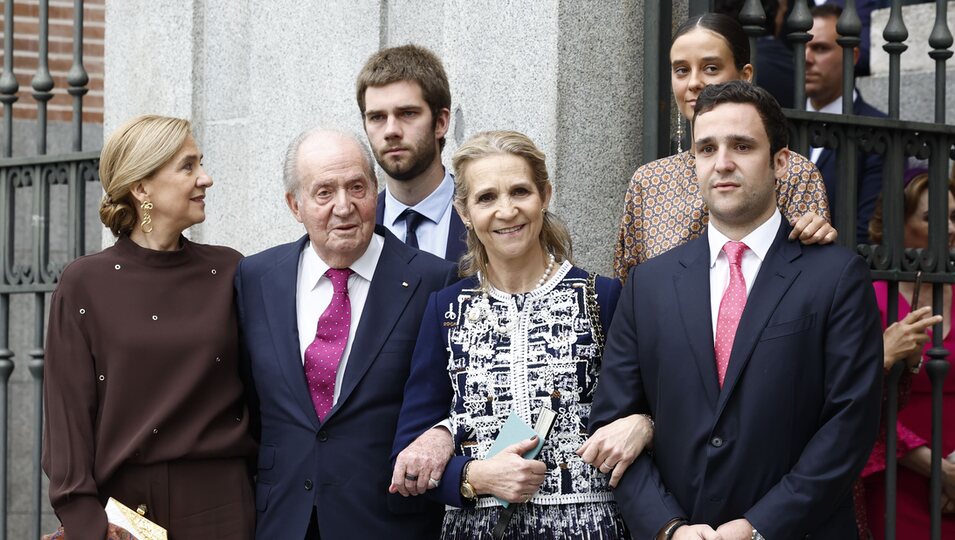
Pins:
x,y
419,159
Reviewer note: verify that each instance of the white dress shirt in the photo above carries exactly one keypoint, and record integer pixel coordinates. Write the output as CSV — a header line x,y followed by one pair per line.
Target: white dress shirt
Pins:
x,y
314,291
834,107
437,208
759,241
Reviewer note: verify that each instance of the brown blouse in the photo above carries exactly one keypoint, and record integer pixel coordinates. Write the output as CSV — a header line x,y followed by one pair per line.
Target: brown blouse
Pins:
x,y
663,208
141,368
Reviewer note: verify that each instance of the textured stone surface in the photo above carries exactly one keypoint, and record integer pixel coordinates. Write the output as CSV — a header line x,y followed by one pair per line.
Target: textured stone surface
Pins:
x,y
917,97
919,20
150,48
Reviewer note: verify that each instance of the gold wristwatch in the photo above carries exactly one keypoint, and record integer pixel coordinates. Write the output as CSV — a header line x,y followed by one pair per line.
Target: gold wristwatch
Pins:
x,y
467,490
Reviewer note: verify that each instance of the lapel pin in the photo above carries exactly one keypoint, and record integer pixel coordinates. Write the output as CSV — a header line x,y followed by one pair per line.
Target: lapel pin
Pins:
x,y
404,283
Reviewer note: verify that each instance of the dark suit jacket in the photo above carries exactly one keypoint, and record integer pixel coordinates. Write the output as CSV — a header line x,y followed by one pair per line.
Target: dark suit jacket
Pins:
x,y
775,69
457,235
795,421
341,466
868,171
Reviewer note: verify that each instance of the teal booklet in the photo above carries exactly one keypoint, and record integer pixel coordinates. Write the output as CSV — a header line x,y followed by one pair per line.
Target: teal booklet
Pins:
x,y
515,430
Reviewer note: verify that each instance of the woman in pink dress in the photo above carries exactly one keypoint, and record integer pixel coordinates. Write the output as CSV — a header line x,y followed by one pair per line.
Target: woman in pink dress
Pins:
x,y
905,340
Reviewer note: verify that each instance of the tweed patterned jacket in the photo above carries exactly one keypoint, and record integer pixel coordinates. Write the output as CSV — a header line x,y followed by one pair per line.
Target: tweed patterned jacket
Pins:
x,y
519,352
664,208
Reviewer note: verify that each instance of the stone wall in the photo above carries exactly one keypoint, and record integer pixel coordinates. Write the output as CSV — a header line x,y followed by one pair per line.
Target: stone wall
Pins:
x,y
252,74
917,98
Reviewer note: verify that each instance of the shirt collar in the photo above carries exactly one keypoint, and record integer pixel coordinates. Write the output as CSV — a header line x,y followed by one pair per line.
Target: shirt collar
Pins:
x,y
313,267
835,107
432,207
759,240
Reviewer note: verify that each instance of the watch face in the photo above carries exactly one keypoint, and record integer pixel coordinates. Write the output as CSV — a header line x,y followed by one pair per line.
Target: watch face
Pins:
x,y
467,491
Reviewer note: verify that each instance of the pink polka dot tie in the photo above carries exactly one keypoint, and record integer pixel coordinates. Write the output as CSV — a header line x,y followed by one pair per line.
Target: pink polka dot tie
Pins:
x,y
324,354
731,308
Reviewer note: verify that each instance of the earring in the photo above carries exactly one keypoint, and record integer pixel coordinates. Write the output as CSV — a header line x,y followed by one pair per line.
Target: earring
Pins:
x,y
679,133
467,225
147,224
544,210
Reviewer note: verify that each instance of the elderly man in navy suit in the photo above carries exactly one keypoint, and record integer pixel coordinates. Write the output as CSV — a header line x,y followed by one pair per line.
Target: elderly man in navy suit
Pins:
x,y
328,327
760,359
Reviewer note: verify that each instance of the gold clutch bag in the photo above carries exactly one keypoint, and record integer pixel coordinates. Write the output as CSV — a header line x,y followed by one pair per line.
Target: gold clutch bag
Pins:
x,y
119,514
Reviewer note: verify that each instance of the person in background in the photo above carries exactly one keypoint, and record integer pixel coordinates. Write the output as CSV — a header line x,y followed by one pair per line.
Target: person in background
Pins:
x,y
824,94
142,396
914,427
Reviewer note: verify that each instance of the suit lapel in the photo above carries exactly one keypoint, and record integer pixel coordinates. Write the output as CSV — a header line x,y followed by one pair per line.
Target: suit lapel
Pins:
x,y
279,292
693,297
776,275
392,287
380,209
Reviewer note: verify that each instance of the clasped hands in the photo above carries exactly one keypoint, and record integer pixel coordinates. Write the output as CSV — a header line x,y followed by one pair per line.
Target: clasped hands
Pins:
x,y
738,529
507,475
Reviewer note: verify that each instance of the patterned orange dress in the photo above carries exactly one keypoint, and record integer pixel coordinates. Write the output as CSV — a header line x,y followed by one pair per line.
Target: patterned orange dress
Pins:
x,y
664,209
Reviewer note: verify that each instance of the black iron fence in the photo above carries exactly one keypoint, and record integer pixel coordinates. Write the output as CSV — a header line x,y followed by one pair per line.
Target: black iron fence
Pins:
x,y
894,139
43,202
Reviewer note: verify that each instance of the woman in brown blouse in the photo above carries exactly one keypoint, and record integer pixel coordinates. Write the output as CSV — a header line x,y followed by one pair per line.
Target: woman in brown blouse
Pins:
x,y
143,399
663,206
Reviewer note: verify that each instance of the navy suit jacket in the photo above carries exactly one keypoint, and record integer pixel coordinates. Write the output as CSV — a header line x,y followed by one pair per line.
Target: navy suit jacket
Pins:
x,y
340,466
782,442
457,235
868,171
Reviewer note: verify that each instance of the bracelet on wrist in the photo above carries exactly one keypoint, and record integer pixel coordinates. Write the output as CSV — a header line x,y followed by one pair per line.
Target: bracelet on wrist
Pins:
x,y
671,530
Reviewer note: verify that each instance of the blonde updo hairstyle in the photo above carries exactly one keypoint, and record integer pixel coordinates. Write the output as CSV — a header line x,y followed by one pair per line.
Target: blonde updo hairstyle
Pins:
x,y
554,237
134,152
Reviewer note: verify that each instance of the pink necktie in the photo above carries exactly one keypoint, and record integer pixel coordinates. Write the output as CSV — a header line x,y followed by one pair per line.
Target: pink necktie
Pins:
x,y
324,354
731,308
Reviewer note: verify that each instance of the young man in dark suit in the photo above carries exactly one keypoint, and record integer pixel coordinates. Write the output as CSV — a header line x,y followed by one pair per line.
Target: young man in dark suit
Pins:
x,y
759,359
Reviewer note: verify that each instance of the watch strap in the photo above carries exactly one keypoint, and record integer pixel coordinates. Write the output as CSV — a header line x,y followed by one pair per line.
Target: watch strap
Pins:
x,y
671,530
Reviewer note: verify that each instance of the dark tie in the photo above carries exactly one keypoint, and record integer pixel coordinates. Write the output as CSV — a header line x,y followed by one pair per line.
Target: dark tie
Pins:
x,y
731,308
412,220
325,353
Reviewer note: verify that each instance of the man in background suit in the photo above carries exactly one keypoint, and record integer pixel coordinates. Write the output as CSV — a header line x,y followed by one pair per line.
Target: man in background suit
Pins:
x,y
824,94
405,103
759,359
328,326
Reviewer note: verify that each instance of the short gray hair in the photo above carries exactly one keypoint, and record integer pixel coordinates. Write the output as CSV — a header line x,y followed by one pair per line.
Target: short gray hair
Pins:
x,y
290,170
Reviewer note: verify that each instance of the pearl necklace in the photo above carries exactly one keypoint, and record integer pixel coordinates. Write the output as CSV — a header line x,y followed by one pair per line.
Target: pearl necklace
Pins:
x,y
550,266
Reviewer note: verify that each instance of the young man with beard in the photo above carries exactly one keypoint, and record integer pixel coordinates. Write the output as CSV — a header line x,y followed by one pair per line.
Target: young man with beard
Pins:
x,y
405,102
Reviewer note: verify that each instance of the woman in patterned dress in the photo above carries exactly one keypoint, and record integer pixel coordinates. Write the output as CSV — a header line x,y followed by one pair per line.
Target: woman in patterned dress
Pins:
x,y
522,330
663,206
